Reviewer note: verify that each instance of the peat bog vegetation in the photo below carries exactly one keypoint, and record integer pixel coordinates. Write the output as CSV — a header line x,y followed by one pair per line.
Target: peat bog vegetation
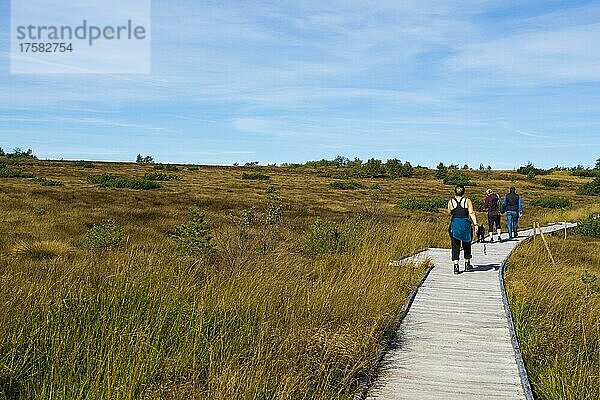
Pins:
x,y
143,281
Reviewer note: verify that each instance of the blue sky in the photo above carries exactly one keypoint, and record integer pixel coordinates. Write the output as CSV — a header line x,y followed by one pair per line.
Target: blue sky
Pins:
x,y
473,81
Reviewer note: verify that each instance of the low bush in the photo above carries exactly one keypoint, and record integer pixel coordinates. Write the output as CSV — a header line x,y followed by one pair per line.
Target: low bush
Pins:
x,y
167,167
591,188
8,173
105,236
120,182
195,237
427,204
327,237
551,202
255,176
157,176
193,168
84,164
478,204
551,183
458,178
589,226
39,211
531,170
347,185
48,182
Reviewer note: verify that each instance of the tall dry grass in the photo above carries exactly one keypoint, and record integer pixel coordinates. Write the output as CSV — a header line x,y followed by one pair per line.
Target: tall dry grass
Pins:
x,y
140,321
557,315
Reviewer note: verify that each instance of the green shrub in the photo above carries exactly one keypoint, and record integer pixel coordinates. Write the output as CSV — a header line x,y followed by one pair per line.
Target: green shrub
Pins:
x,y
457,178
478,204
531,170
591,188
194,238
326,237
590,226
166,167
84,164
347,185
48,182
39,211
120,182
157,176
274,209
105,236
551,202
427,204
551,183
193,168
8,173
255,176
441,171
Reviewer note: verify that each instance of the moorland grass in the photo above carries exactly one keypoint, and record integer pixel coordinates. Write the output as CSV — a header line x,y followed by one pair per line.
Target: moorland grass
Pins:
x,y
280,308
556,309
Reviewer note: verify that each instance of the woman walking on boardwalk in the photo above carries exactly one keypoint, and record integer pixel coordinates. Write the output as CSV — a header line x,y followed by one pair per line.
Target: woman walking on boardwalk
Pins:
x,y
462,212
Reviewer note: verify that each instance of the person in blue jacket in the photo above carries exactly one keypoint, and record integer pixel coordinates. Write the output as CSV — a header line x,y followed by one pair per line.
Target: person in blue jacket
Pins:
x,y
514,209
461,232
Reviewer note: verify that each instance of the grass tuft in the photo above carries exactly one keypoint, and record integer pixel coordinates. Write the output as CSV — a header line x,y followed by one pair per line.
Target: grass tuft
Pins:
x,y
42,250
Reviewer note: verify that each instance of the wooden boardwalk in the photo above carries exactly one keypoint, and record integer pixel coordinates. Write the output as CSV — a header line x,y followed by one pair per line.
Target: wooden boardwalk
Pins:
x,y
456,341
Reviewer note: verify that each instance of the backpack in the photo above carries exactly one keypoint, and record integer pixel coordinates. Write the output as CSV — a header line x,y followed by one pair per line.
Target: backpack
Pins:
x,y
501,208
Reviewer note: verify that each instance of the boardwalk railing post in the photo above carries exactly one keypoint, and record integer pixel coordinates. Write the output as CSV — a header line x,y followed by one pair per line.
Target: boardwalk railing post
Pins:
x,y
546,244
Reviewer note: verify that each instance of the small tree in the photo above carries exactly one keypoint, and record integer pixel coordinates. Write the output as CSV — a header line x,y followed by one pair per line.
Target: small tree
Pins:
x,y
341,161
465,166
373,168
393,168
597,166
441,171
144,160
194,238
2,152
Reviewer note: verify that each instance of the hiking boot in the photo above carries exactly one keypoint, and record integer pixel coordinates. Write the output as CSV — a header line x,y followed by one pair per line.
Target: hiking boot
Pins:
x,y
468,266
456,271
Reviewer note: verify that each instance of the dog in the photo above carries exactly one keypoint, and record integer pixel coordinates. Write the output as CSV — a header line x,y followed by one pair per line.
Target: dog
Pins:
x,y
480,232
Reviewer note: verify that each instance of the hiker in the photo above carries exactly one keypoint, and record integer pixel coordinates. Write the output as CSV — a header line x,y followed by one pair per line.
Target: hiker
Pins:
x,y
492,205
514,210
461,209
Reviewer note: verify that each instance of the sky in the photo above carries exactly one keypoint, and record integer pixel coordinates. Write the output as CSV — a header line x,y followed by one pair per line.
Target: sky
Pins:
x,y
469,81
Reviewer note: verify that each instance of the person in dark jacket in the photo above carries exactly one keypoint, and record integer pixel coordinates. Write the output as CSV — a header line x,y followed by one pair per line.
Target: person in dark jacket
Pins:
x,y
514,209
460,230
491,204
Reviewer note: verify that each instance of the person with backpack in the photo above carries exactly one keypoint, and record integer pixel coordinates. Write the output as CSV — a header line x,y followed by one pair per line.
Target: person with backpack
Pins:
x,y
493,205
462,212
514,209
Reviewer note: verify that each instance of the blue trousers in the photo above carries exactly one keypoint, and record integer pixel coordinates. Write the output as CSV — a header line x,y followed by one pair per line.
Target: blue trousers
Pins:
x,y
512,218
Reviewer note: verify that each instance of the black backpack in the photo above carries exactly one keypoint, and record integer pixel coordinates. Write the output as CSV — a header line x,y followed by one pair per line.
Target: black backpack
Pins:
x,y
501,208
